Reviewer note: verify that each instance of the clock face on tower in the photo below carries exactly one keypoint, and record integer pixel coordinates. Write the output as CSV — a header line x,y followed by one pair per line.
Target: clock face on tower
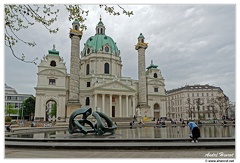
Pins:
x,y
106,49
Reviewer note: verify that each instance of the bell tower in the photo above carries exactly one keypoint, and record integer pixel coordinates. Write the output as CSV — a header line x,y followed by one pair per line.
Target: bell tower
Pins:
x,y
142,89
75,36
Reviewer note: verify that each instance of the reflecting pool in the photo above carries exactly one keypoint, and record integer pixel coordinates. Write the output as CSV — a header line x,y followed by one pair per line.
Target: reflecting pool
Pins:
x,y
216,131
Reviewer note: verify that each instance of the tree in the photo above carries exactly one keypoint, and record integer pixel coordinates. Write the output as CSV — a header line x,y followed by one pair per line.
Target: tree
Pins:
x,y
198,103
19,17
189,110
10,109
223,103
53,111
28,108
212,103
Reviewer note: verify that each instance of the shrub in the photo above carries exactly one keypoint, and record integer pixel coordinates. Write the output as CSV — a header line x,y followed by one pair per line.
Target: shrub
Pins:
x,y
8,119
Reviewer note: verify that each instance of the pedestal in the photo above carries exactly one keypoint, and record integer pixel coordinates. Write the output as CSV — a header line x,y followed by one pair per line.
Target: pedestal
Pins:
x,y
143,111
71,107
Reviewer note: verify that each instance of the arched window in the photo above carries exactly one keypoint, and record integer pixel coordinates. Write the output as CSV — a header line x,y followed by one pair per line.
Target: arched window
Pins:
x,y
88,50
155,75
101,31
87,69
76,27
87,101
53,63
106,68
106,49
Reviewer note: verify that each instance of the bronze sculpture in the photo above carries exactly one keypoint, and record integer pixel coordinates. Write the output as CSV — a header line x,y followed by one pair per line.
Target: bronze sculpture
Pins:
x,y
104,123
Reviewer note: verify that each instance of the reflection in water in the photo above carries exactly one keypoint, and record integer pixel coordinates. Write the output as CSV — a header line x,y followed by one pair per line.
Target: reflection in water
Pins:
x,y
176,132
144,132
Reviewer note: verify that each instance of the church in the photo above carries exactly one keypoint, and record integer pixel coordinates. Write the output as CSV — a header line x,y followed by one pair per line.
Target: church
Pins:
x,y
95,80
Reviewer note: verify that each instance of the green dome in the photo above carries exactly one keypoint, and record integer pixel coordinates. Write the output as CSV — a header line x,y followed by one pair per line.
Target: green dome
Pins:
x,y
100,41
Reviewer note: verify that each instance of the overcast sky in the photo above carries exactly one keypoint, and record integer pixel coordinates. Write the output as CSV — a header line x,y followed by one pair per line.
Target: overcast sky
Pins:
x,y
191,44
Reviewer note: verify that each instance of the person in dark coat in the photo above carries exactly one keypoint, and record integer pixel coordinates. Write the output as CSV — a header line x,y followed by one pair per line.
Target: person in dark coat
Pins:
x,y
9,128
195,131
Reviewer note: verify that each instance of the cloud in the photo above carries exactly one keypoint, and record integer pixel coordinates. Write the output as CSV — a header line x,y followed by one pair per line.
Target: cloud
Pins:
x,y
193,44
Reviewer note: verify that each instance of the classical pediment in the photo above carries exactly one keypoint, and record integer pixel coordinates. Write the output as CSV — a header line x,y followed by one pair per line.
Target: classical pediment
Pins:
x,y
115,86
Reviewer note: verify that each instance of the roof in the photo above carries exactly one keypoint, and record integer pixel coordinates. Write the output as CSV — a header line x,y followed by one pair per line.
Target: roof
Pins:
x,y
98,42
152,66
193,87
75,22
141,36
53,51
9,90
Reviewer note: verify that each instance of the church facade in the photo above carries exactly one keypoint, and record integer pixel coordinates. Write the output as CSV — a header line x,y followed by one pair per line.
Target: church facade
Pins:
x,y
95,81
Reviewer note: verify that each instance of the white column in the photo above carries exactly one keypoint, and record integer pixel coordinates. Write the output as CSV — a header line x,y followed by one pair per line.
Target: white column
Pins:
x,y
134,105
120,105
95,101
127,105
110,107
103,103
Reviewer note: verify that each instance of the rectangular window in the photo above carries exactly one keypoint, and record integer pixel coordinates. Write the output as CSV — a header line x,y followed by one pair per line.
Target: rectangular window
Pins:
x,y
155,89
52,81
88,84
113,98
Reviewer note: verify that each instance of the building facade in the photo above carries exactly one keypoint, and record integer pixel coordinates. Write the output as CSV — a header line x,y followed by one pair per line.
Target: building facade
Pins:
x,y
14,100
95,80
193,102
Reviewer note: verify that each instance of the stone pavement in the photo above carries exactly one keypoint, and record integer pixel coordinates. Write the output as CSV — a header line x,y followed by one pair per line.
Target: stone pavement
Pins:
x,y
118,145
76,153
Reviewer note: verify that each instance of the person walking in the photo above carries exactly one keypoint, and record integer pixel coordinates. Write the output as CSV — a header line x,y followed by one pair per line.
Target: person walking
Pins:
x,y
195,131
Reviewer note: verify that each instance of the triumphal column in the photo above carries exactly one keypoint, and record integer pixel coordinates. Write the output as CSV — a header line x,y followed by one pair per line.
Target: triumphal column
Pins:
x,y
142,106
74,82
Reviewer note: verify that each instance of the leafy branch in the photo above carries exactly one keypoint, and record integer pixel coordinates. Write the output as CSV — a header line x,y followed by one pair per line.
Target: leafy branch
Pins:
x,y
20,17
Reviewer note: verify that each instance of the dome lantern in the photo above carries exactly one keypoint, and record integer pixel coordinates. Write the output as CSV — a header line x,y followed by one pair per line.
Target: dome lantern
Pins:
x,y
100,28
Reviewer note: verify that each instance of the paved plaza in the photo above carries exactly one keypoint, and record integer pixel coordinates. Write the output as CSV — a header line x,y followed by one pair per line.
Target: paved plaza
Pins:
x,y
76,153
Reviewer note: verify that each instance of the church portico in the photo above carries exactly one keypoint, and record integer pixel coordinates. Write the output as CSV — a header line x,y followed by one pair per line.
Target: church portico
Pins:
x,y
115,105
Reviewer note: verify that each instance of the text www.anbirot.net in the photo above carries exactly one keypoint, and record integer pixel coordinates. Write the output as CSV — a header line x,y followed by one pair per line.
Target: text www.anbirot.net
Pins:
x,y
219,160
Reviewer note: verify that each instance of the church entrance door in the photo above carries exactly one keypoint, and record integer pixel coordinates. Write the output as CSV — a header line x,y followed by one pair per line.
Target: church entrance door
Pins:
x,y
113,111
156,110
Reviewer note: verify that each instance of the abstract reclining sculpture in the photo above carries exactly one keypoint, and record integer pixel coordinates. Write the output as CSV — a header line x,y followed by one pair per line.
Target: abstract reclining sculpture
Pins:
x,y
101,127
